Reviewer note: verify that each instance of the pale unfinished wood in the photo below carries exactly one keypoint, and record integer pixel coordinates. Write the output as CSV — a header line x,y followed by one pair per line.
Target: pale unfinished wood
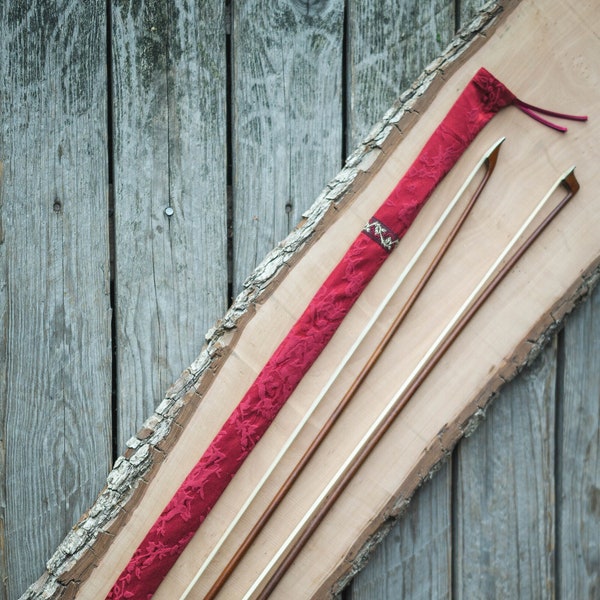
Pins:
x,y
54,277
505,512
169,94
578,441
287,118
389,43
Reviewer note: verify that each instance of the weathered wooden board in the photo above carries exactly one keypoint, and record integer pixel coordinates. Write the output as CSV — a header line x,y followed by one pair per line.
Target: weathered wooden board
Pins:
x,y
467,10
505,512
169,73
415,559
287,118
389,44
578,444
55,361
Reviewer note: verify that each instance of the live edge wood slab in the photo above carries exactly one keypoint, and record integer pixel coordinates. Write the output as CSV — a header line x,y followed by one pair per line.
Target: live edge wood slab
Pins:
x,y
548,53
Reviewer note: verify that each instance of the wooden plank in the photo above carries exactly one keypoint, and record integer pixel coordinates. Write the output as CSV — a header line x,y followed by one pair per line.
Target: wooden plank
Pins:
x,y
54,264
389,44
287,118
169,65
504,493
578,440
413,561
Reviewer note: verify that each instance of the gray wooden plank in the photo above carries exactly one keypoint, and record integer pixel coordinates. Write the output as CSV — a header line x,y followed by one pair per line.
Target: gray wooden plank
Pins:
x,y
389,44
413,561
55,360
169,65
287,118
578,439
504,493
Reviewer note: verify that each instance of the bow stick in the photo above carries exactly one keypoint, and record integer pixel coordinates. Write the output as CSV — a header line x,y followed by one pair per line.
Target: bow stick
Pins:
x,y
302,532
488,160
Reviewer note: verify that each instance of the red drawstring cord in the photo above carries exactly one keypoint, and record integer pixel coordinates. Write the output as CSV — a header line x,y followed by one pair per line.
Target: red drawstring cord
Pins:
x,y
531,111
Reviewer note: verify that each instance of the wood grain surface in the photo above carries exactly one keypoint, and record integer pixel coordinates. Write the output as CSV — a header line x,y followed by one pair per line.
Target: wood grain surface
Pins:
x,y
578,449
415,559
287,118
55,359
170,272
389,44
498,529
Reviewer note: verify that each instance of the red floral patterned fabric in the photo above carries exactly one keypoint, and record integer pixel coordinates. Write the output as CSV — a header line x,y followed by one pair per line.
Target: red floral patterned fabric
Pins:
x,y
481,99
